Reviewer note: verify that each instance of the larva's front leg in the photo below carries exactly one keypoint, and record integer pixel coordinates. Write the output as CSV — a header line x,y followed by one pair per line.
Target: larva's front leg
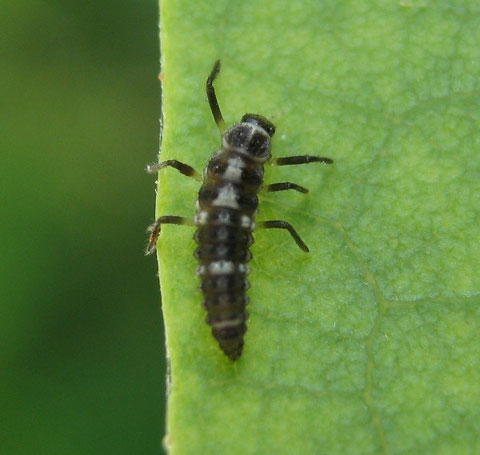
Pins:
x,y
183,168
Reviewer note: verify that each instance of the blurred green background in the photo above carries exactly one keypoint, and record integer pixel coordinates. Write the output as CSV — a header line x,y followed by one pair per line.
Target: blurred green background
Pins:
x,y
82,349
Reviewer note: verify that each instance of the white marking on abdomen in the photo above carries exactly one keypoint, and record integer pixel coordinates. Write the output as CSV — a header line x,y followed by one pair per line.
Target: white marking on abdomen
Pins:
x,y
201,218
245,221
221,267
227,197
243,268
200,270
224,217
228,323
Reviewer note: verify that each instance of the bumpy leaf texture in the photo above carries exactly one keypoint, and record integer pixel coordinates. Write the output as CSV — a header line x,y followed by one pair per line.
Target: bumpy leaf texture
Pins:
x,y
369,344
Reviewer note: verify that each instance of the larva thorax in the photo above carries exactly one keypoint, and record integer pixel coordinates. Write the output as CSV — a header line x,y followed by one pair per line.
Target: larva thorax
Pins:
x,y
226,208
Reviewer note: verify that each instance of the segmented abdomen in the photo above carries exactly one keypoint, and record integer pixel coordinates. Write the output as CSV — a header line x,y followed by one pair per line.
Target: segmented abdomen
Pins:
x,y
225,220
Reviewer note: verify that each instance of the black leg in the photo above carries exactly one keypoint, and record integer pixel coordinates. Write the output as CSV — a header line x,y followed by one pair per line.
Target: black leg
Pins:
x,y
212,98
289,227
285,186
154,229
183,168
302,159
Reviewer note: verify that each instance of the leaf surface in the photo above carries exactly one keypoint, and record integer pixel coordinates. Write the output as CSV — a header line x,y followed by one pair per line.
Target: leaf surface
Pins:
x,y
369,344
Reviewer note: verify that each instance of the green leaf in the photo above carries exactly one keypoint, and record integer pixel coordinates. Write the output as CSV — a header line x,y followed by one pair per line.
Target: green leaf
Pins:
x,y
369,344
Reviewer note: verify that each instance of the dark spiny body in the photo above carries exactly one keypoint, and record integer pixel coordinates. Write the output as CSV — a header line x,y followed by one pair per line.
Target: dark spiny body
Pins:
x,y
226,208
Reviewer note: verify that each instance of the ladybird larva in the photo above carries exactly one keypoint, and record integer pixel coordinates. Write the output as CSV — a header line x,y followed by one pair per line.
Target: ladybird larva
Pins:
x,y
225,217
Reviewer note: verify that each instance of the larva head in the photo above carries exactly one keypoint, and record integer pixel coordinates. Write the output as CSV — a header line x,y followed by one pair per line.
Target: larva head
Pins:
x,y
251,137
262,122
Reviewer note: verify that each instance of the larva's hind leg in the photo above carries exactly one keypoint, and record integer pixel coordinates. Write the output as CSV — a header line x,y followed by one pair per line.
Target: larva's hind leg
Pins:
x,y
285,186
284,225
183,168
154,229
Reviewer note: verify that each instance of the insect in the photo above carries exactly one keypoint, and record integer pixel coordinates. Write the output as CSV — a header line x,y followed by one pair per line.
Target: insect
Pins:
x,y
225,216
